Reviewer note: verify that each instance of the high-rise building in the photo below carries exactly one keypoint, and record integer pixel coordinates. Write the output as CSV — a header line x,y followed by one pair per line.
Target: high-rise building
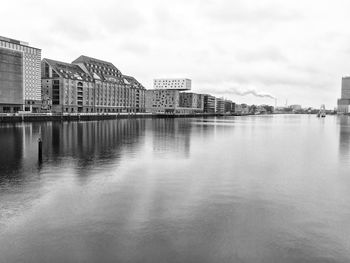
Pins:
x,y
89,85
20,86
344,101
173,84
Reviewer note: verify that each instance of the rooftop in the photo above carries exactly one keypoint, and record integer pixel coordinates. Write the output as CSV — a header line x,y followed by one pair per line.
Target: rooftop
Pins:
x,y
100,70
18,42
67,70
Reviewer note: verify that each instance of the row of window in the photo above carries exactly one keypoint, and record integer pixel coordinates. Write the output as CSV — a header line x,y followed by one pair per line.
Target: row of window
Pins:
x,y
19,47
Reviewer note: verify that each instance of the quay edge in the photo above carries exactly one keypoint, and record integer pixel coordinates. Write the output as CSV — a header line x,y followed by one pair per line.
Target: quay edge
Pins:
x,y
15,118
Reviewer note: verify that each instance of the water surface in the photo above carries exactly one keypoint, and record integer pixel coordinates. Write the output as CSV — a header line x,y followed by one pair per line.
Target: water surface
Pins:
x,y
236,189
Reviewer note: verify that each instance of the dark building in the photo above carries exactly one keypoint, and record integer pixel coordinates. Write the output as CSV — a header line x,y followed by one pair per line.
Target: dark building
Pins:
x,y
229,106
209,103
11,80
192,100
344,101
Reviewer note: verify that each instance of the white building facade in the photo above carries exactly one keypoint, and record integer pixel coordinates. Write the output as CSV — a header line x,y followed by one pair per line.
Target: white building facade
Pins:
x,y
172,84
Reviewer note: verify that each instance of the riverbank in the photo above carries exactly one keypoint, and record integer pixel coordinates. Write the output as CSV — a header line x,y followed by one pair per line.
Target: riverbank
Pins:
x,y
17,117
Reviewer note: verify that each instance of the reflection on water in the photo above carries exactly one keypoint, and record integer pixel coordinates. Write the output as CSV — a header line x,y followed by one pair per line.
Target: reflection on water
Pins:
x,y
11,141
171,136
344,136
91,143
243,189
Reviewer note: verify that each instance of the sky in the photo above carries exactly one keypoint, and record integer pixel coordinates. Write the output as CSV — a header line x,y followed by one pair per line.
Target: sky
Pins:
x,y
250,51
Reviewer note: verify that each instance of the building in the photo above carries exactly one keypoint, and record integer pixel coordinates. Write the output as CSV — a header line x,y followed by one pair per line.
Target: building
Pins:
x,y
209,103
192,100
113,92
229,106
295,107
344,101
162,101
167,98
138,102
343,106
241,109
172,84
66,88
89,85
345,88
173,101
20,86
238,108
220,105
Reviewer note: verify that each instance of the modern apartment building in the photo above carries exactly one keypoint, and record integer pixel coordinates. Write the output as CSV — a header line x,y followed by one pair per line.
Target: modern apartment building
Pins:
x,y
229,106
219,105
344,101
162,101
173,101
89,85
172,84
20,86
209,103
192,100
167,98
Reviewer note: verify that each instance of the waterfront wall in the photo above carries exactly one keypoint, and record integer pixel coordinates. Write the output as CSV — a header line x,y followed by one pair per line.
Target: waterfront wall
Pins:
x,y
6,118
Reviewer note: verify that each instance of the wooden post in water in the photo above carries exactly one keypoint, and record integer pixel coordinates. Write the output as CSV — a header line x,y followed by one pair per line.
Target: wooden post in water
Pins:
x,y
40,150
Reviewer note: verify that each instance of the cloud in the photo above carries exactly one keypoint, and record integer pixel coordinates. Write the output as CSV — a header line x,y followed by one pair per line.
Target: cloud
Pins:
x,y
249,11
296,49
70,28
116,17
134,47
271,54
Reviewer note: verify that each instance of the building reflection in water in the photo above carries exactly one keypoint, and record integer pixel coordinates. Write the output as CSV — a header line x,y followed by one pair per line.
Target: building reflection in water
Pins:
x,y
11,153
344,136
83,145
86,143
91,143
18,154
171,136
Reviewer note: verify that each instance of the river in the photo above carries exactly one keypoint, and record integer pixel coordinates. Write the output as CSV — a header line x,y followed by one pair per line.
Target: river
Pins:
x,y
235,189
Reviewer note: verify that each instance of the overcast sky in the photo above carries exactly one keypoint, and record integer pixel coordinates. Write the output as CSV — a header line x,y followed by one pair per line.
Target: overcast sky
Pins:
x,y
296,50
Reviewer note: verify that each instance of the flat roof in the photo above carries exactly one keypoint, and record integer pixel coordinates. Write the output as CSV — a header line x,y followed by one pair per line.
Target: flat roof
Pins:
x,y
173,79
18,42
